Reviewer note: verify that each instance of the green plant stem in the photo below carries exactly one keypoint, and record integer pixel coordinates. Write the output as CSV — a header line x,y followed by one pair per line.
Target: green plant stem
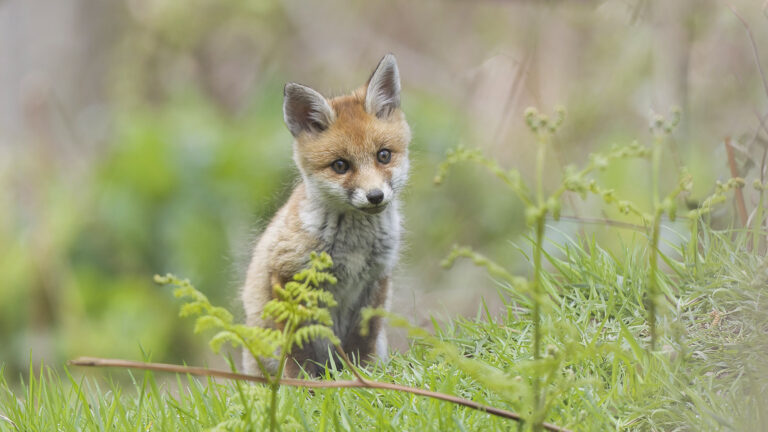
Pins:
x,y
540,221
654,239
693,245
738,196
652,279
259,363
655,168
540,157
537,290
274,386
757,223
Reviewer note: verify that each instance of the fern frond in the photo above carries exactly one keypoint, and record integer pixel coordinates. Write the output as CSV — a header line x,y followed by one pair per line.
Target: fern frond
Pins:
x,y
300,307
208,322
259,341
313,331
222,337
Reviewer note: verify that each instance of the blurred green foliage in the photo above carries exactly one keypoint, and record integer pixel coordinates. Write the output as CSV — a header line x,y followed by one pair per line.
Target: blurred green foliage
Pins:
x,y
195,156
176,186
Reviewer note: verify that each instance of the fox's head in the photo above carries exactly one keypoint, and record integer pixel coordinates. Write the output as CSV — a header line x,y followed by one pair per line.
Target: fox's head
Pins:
x,y
351,149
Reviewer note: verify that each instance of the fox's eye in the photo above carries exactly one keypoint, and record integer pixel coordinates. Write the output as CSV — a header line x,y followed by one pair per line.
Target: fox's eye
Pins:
x,y
340,166
384,156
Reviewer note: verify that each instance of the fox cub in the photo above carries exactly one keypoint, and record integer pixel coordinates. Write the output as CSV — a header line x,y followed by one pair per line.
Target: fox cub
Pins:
x,y
352,154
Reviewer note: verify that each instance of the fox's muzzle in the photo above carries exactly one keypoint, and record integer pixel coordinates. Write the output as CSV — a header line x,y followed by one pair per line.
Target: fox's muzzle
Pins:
x,y
375,196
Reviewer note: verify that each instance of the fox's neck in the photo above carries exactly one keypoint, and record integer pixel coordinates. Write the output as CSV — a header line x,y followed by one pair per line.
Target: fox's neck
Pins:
x,y
329,219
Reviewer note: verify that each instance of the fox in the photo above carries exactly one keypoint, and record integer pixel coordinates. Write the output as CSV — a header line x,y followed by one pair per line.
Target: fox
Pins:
x,y
351,152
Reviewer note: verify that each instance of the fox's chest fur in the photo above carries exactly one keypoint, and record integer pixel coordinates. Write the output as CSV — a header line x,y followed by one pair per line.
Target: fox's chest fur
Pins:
x,y
364,251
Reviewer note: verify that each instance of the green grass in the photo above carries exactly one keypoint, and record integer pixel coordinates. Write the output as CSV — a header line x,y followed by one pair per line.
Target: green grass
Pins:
x,y
709,372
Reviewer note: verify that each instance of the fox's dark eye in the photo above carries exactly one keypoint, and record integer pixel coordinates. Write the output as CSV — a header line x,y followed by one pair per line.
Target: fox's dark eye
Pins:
x,y
340,166
384,156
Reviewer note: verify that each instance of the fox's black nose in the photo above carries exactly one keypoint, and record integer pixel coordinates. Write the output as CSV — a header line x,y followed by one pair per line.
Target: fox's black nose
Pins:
x,y
375,196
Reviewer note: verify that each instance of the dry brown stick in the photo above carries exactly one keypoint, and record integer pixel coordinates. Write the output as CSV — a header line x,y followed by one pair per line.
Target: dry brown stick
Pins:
x,y
349,364
293,382
741,206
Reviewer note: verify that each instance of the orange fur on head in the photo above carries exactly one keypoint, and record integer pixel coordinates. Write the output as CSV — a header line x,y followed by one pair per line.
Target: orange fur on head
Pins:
x,y
355,135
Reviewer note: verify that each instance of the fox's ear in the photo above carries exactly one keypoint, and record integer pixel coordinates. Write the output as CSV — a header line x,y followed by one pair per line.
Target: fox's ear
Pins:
x,y
383,93
305,110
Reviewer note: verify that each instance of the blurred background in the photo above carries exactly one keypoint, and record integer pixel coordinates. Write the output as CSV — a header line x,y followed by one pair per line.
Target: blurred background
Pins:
x,y
146,136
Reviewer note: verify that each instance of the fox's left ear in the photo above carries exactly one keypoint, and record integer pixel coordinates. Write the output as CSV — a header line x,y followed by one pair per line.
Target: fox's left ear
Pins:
x,y
383,93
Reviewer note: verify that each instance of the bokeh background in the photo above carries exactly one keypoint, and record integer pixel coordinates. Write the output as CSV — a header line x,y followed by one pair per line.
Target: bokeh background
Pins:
x,y
146,136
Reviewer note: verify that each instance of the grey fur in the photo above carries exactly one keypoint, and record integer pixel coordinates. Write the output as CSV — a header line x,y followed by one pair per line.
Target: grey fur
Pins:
x,y
364,249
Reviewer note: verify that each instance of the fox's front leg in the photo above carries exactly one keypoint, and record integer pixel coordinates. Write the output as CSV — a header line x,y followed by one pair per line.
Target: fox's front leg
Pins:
x,y
378,330
374,344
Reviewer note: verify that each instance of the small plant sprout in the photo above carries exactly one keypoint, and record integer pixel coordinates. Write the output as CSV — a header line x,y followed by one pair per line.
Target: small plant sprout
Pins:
x,y
705,207
539,206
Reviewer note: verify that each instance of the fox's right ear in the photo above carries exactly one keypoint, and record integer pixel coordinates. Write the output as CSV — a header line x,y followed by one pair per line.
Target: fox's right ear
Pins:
x,y
305,110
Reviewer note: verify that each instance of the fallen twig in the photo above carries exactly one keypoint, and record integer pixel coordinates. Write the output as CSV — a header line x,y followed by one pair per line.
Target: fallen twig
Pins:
x,y
293,382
